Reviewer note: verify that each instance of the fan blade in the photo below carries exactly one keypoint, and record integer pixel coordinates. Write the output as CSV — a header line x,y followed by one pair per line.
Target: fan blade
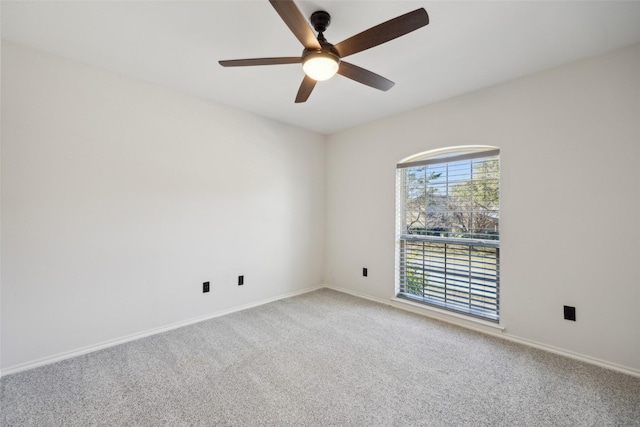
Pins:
x,y
365,77
383,33
260,61
305,89
296,22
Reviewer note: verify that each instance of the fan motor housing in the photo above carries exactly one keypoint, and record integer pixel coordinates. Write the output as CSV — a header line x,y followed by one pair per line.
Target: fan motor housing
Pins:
x,y
327,50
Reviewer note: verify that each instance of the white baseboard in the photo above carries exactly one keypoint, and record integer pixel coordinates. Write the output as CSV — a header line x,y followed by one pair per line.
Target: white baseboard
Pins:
x,y
110,343
480,326
493,330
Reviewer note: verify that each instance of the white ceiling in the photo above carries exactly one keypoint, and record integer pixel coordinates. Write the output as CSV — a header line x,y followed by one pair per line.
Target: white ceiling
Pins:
x,y
467,46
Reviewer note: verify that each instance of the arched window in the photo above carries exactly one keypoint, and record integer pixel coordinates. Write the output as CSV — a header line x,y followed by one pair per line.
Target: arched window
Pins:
x,y
448,229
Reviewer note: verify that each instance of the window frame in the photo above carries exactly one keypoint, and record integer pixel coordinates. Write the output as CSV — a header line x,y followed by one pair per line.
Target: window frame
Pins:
x,y
490,311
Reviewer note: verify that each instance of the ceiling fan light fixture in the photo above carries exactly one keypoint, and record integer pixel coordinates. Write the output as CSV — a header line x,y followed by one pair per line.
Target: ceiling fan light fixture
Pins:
x,y
320,66
320,59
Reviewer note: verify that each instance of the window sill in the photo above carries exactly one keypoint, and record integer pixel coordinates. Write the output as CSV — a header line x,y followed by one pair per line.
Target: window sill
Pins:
x,y
445,315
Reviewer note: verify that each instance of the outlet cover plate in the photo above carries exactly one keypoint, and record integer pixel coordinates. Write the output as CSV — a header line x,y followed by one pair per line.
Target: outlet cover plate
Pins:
x,y
569,313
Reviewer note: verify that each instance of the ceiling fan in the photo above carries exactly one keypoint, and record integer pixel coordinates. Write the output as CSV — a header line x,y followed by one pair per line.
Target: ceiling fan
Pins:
x,y
321,59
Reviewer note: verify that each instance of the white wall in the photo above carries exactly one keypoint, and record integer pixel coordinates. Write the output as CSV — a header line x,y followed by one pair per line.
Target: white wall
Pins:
x,y
570,153
120,198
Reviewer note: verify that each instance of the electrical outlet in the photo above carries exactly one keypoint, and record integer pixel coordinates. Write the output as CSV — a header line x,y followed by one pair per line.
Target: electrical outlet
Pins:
x,y
240,280
365,272
570,313
205,287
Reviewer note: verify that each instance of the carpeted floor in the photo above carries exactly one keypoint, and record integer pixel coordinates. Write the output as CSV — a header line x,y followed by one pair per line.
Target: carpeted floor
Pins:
x,y
323,358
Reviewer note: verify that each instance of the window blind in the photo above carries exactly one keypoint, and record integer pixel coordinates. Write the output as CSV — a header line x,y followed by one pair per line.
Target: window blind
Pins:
x,y
449,233
460,277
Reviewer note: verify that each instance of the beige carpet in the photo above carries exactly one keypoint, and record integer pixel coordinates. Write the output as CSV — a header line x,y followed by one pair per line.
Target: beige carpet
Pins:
x,y
323,358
